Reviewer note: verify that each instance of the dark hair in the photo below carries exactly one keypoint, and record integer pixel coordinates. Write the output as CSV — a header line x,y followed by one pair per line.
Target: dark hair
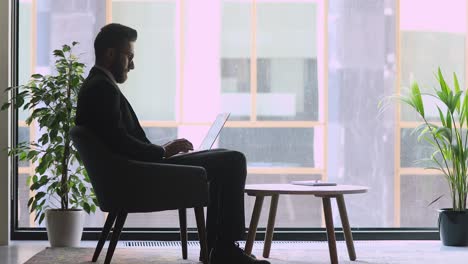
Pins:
x,y
113,36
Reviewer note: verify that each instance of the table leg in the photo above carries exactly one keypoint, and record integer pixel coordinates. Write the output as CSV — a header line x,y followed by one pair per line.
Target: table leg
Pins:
x,y
346,227
330,230
271,225
253,224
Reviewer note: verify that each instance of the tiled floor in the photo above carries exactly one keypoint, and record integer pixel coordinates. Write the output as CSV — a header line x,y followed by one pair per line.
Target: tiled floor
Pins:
x,y
311,252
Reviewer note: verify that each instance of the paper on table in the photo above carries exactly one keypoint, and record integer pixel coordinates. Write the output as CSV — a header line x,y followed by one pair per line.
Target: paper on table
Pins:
x,y
313,183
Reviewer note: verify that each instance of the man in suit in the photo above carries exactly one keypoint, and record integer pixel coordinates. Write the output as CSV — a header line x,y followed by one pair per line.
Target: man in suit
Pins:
x,y
104,109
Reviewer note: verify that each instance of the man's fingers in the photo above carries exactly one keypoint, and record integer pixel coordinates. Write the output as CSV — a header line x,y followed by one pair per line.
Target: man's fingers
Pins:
x,y
190,145
180,145
182,142
187,146
183,146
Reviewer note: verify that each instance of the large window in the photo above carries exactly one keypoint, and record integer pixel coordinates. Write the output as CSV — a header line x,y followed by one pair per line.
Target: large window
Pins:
x,y
301,78
361,65
428,40
196,59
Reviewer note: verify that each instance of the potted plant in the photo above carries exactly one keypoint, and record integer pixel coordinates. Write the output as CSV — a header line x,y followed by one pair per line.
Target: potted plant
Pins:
x,y
449,139
60,183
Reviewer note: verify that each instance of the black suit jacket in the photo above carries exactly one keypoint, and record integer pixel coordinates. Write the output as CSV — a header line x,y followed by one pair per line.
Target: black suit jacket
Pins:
x,y
104,109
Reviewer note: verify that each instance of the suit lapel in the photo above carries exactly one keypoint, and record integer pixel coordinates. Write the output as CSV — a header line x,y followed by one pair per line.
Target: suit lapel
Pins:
x,y
125,107
96,70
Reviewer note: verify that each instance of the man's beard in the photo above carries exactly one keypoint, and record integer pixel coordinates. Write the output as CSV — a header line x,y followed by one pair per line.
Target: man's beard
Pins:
x,y
118,70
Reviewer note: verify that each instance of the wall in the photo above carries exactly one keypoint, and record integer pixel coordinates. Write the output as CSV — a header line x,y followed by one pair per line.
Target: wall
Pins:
x,y
4,179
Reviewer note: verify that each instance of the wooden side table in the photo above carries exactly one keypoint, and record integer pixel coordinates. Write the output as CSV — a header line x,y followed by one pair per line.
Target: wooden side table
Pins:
x,y
324,192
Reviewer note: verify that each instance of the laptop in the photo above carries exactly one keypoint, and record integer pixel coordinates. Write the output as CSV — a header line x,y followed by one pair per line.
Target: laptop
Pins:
x,y
212,134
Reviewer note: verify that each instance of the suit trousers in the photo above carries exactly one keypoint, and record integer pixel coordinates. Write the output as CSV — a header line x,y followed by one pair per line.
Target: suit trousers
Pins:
x,y
226,171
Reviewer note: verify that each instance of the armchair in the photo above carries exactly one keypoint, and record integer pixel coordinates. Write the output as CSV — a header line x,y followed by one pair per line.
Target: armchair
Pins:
x,y
124,186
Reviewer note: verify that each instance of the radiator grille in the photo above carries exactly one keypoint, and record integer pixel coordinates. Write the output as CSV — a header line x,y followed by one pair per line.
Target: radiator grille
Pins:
x,y
151,244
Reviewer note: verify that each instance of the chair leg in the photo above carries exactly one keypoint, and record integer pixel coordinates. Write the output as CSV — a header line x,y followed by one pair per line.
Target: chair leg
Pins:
x,y
121,217
200,217
104,234
183,231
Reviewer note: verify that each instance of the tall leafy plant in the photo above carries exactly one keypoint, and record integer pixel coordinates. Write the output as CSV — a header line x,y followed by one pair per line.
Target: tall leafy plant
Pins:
x,y
59,175
448,136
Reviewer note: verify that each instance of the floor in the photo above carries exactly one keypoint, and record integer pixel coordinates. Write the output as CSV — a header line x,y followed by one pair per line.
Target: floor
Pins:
x,y
294,252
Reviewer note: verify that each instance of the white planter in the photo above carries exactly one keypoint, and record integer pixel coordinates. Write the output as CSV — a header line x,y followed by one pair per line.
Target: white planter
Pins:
x,y
64,228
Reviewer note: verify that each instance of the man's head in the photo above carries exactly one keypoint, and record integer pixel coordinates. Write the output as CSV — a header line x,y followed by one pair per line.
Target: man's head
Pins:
x,y
113,48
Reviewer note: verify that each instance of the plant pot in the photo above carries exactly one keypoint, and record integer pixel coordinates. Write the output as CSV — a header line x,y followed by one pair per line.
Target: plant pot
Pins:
x,y
64,227
453,227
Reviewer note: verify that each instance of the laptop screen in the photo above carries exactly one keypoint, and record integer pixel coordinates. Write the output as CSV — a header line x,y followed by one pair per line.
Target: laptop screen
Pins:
x,y
213,133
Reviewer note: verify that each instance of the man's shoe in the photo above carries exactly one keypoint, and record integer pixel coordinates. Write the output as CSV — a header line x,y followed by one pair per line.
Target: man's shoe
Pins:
x,y
233,255
200,258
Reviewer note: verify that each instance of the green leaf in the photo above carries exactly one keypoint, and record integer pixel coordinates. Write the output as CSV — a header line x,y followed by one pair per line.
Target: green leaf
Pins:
x,y
75,81
456,102
417,99
444,132
44,139
40,195
449,120
37,76
443,84
464,109
44,179
87,208
28,181
58,53
32,154
10,88
19,101
441,116
66,48
456,84
36,186
30,201
41,218
33,206
5,106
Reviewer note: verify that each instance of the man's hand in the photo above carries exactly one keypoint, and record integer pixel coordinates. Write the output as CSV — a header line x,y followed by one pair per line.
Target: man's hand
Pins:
x,y
176,146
